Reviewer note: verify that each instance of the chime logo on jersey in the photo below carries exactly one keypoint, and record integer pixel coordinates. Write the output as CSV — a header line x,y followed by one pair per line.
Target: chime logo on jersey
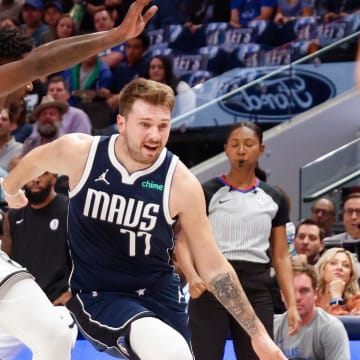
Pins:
x,y
119,210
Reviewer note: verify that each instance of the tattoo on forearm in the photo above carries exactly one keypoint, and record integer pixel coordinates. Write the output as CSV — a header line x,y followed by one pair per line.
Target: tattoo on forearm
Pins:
x,y
234,299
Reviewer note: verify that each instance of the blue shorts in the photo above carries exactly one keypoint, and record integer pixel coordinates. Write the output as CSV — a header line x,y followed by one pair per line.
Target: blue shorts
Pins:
x,y
104,318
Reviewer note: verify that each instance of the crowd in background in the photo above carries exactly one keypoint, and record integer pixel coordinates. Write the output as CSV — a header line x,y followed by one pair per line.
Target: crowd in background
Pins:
x,y
212,31
84,99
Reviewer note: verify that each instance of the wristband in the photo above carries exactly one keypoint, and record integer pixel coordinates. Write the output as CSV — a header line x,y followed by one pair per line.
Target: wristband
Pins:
x,y
6,193
337,301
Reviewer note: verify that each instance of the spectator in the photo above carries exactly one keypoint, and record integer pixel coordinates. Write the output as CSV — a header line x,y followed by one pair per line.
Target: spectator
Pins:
x,y
74,120
118,9
48,116
351,219
134,64
32,13
239,203
323,213
22,129
321,336
288,11
11,22
103,21
339,292
309,241
331,10
160,68
52,13
91,74
65,27
36,237
10,9
9,147
199,12
242,11
169,13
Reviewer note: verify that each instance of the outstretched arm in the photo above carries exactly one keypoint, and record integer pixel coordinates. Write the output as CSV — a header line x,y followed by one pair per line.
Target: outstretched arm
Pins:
x,y
57,157
64,53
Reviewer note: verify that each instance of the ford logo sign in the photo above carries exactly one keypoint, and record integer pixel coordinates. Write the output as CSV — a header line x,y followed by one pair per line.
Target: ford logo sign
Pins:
x,y
277,98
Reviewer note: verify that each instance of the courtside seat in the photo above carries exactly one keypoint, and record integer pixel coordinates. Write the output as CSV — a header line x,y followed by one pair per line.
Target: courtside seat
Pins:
x,y
352,325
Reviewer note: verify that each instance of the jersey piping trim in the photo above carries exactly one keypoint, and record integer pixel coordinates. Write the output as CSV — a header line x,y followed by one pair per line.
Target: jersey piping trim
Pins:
x,y
251,188
167,188
127,178
88,166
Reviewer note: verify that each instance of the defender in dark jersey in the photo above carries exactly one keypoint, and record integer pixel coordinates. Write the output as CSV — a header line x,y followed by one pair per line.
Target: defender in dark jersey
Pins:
x,y
126,192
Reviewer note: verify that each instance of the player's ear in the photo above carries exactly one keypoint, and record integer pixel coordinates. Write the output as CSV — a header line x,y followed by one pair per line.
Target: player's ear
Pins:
x,y
120,121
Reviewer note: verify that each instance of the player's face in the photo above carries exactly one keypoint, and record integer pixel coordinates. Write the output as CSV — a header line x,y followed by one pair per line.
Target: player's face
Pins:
x,y
145,131
243,148
305,296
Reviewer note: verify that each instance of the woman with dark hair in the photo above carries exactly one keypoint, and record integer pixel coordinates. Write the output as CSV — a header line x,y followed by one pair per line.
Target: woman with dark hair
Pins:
x,y
248,219
160,68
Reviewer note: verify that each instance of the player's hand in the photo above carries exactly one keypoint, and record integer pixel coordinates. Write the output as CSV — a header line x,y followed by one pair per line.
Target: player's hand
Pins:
x,y
134,22
294,320
16,201
265,348
196,287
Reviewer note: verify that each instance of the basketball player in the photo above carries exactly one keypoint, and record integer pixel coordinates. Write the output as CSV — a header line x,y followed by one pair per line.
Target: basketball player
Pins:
x,y
26,315
126,191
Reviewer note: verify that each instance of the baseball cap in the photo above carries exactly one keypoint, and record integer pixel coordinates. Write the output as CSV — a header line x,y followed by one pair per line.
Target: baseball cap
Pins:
x,y
56,4
37,4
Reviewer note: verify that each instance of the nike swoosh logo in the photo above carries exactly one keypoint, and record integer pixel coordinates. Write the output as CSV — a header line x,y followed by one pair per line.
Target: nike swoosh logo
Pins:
x,y
19,221
223,201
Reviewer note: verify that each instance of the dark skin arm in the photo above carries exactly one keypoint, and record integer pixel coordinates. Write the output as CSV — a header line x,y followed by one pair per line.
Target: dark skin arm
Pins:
x,y
64,53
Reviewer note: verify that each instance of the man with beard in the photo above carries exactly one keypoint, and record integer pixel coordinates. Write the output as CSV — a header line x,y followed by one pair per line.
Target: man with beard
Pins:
x,y
35,236
48,116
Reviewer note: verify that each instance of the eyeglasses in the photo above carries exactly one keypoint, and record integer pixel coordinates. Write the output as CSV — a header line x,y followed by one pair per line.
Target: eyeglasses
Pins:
x,y
350,211
325,212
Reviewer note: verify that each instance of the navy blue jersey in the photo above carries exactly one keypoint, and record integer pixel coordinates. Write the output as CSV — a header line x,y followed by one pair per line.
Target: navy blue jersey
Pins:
x,y
120,227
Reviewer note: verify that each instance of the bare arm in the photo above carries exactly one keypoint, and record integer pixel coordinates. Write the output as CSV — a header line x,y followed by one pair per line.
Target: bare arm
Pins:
x,y
266,12
67,155
187,267
64,53
234,18
188,202
357,67
282,264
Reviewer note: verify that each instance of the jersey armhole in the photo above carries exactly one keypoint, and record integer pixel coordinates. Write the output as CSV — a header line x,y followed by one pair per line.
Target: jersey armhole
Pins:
x,y
88,166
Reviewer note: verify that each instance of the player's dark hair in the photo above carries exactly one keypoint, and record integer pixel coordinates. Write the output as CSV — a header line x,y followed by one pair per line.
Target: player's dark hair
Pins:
x,y
13,44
